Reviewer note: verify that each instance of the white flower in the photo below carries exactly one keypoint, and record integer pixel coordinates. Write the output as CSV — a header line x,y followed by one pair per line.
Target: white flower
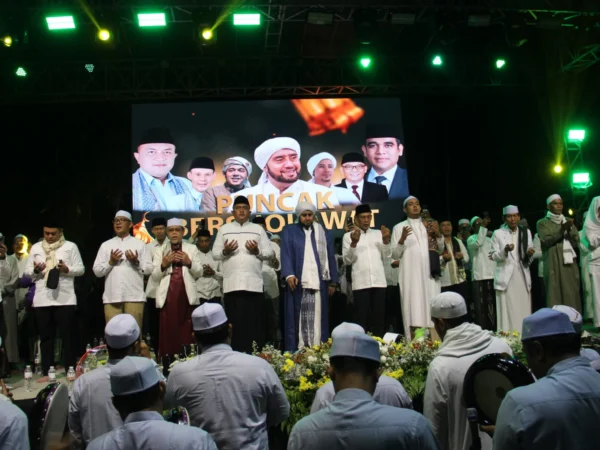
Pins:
x,y
312,359
383,359
384,350
326,357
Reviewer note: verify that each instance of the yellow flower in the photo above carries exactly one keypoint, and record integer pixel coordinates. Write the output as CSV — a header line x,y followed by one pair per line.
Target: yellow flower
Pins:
x,y
316,347
515,333
287,354
437,342
289,363
396,374
309,372
285,368
329,341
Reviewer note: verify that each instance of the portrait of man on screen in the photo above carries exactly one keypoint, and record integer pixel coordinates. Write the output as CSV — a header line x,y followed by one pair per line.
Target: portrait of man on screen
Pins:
x,y
279,188
383,149
154,188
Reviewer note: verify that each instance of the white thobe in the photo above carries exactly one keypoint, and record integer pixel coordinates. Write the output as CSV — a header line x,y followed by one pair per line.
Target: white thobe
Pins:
x,y
287,200
443,403
586,279
417,287
152,284
270,280
311,280
451,276
480,247
367,259
210,287
64,294
512,280
124,281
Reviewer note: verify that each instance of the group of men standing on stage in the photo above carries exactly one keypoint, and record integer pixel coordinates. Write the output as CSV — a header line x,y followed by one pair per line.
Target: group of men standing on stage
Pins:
x,y
428,259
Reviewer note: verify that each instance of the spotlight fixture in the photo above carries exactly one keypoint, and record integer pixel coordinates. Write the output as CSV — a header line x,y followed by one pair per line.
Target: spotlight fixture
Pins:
x,y
104,35
60,23
89,68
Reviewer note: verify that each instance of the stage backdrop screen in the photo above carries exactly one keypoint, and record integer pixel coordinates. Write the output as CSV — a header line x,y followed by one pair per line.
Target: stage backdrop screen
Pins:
x,y
190,160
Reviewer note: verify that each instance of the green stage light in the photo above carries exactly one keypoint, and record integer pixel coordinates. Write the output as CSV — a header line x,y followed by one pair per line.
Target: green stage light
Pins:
x,y
576,135
7,41
21,72
365,62
60,23
581,179
152,20
500,63
246,19
437,60
89,68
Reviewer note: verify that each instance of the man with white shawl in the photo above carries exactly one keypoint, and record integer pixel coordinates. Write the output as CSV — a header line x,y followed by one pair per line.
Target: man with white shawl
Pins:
x,y
279,159
512,249
321,168
410,245
591,240
559,238
309,267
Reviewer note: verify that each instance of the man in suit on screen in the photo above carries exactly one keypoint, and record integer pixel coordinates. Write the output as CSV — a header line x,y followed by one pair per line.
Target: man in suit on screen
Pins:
x,y
354,170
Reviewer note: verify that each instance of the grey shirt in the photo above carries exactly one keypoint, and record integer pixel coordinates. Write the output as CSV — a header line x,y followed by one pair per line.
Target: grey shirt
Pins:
x,y
560,411
13,427
387,392
231,395
355,421
91,412
147,430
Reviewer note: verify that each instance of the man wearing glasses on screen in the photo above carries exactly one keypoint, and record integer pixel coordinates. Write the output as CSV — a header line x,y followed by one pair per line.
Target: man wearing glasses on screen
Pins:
x,y
154,187
383,149
354,170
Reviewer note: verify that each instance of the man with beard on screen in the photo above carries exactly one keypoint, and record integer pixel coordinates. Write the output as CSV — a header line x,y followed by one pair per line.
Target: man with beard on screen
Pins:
x,y
236,171
154,188
279,158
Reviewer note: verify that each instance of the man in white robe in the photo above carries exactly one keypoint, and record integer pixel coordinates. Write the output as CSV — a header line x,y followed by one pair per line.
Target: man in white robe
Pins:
x,y
591,240
417,286
279,188
321,167
512,249
463,343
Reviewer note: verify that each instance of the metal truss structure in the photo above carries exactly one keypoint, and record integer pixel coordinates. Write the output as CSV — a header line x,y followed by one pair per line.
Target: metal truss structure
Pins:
x,y
583,59
151,80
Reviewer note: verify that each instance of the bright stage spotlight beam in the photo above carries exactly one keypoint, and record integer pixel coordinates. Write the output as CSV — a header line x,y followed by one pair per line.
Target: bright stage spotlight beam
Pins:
x,y
558,168
21,72
246,19
437,60
7,41
500,63
207,34
104,35
576,135
365,62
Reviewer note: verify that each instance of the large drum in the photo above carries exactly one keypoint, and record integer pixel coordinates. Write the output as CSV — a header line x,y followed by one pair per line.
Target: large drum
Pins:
x,y
178,416
49,416
488,381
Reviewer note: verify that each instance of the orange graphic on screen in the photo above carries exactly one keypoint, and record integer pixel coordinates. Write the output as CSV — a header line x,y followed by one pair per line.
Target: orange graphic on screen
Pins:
x,y
328,114
141,232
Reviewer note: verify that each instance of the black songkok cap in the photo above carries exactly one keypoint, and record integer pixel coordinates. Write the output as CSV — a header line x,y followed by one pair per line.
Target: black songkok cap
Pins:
x,y
353,157
157,136
382,130
158,221
360,209
241,200
202,162
204,233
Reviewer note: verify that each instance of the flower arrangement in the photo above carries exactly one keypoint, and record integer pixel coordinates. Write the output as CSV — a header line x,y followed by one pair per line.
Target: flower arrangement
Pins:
x,y
513,339
305,371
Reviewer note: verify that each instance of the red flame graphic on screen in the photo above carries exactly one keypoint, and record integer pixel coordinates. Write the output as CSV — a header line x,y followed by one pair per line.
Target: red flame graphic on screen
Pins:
x,y
141,232
328,114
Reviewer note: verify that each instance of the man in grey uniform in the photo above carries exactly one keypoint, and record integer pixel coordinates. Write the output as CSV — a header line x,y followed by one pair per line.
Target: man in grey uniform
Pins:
x,y
560,411
233,396
354,419
138,396
387,392
91,411
13,426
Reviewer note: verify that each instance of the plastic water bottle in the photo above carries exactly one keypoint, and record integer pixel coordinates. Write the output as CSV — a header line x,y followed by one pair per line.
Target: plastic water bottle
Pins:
x,y
95,342
101,342
28,378
52,374
88,347
37,362
70,378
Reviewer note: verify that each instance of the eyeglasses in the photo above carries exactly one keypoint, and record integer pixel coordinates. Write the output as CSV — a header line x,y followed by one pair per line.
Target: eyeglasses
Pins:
x,y
355,168
117,221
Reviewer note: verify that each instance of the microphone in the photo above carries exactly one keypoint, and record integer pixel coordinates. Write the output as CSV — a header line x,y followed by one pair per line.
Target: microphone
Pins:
x,y
476,440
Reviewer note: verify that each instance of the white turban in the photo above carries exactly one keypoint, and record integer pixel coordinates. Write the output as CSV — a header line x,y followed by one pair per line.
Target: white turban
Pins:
x,y
125,214
410,197
510,209
174,222
552,198
314,161
463,222
305,206
474,219
239,161
263,153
